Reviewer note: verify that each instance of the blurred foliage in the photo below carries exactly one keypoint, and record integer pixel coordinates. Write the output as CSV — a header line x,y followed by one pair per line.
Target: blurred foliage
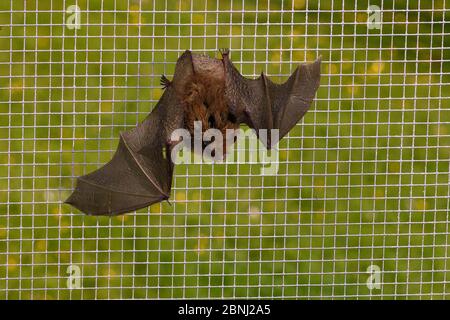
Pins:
x,y
364,177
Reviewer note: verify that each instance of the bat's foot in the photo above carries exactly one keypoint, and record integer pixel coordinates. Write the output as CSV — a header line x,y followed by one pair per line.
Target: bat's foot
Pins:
x,y
168,200
224,52
164,81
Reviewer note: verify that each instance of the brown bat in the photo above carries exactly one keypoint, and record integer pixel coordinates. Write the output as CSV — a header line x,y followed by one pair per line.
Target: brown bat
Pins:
x,y
203,89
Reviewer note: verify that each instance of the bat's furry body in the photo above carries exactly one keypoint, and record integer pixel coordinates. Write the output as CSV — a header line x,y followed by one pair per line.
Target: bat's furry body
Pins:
x,y
203,89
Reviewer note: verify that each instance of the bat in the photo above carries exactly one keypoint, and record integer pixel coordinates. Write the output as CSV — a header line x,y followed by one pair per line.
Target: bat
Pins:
x,y
203,89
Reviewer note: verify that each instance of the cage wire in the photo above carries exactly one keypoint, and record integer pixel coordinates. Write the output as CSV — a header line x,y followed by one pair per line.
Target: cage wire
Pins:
x,y
359,206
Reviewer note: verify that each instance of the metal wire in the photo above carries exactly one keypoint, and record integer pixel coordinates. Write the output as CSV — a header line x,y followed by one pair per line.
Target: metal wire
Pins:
x,y
359,206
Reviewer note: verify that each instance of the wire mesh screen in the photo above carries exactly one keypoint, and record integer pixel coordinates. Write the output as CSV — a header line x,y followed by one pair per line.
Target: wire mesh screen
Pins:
x,y
359,206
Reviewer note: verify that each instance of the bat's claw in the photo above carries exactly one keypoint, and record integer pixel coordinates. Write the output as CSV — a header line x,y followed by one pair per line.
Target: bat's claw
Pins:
x,y
224,52
168,201
164,81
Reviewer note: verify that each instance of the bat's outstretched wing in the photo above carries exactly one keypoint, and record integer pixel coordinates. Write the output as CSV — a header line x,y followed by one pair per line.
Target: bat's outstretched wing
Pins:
x,y
262,104
140,173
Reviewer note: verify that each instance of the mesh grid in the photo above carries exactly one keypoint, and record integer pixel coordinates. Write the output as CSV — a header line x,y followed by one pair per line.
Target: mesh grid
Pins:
x,y
363,178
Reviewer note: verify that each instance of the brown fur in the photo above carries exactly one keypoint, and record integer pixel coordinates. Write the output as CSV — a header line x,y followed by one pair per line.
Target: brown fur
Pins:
x,y
204,100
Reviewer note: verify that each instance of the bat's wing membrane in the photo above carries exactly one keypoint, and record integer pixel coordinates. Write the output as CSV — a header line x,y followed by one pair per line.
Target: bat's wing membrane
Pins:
x,y
140,172
267,105
123,184
292,99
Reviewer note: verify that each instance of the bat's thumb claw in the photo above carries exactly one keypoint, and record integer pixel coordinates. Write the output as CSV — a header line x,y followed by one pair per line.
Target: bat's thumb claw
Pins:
x,y
164,81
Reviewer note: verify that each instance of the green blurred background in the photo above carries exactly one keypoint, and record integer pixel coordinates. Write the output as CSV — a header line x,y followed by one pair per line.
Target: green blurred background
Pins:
x,y
363,179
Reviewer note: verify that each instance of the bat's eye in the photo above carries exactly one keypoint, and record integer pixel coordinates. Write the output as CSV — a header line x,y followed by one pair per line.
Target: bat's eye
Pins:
x,y
231,118
211,121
